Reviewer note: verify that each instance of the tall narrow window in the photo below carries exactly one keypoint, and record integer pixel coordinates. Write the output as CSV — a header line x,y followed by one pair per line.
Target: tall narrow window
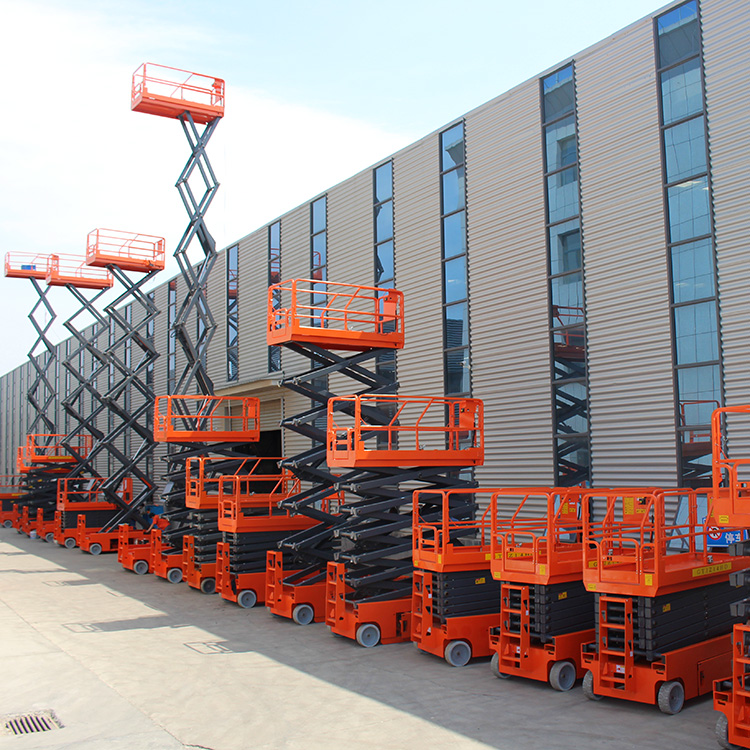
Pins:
x,y
567,319
457,363
110,388
274,277
67,385
127,397
384,257
319,247
171,337
690,238
233,331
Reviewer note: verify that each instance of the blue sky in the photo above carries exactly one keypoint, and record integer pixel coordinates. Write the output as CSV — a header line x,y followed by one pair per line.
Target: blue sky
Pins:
x,y
316,91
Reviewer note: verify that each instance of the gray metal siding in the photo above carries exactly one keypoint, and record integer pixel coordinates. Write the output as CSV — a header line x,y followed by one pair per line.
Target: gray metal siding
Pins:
x,y
508,288
625,265
726,30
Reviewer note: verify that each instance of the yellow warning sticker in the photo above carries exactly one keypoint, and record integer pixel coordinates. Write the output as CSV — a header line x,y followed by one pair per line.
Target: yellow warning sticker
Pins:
x,y
562,595
512,555
649,579
723,519
591,587
478,581
666,608
627,506
542,570
707,570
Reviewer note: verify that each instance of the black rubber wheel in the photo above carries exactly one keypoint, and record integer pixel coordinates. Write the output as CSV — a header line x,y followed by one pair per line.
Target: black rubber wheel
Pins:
x,y
49,537
671,697
562,675
8,524
722,733
368,635
457,653
95,549
174,575
208,586
495,667
303,614
247,599
140,567
588,687
70,543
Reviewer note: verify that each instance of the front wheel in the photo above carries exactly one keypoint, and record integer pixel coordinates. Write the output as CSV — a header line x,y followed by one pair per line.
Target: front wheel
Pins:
x,y
303,614
70,542
457,653
140,567
588,687
49,537
95,549
368,635
208,586
722,734
671,697
562,676
495,667
247,599
174,575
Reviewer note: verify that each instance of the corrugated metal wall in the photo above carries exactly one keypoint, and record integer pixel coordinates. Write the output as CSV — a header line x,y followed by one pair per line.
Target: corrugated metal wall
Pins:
x,y
625,266
508,288
726,30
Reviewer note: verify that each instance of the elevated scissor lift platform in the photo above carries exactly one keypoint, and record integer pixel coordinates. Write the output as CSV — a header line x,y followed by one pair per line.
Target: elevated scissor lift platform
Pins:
x,y
170,92
26,265
438,431
206,419
334,315
49,449
130,251
731,474
71,270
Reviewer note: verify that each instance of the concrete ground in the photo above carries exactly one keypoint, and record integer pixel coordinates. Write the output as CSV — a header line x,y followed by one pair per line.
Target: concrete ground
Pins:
x,y
136,663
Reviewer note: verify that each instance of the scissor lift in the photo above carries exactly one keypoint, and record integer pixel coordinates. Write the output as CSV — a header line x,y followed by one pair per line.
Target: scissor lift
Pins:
x,y
546,614
183,547
10,492
662,595
252,523
455,601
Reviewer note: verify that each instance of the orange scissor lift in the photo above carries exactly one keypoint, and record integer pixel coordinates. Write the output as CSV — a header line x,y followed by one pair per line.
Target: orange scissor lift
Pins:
x,y
183,546
252,523
731,502
662,595
439,433
10,492
546,614
455,601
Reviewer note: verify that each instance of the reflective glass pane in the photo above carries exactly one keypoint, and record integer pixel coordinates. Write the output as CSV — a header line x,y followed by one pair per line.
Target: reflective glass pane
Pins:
x,y
558,93
384,262
696,333
561,144
319,215
453,190
688,210
274,236
565,247
456,325
572,461
383,221
567,298
455,279
693,271
457,371
699,393
568,343
452,147
681,94
454,234
565,366
562,194
318,251
678,34
685,149
319,295
384,182
274,358
571,408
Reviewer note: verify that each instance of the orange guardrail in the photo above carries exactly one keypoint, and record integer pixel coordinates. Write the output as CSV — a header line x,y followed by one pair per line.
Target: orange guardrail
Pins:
x,y
636,551
48,448
74,493
421,431
536,535
169,92
26,265
731,475
206,419
443,543
64,270
130,251
334,315
10,486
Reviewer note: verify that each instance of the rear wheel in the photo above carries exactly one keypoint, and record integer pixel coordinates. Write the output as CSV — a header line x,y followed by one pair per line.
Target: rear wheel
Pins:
x,y
70,542
8,524
671,697
368,635
495,667
457,653
95,549
303,614
562,675
722,734
174,575
140,567
247,599
208,585
49,537
588,687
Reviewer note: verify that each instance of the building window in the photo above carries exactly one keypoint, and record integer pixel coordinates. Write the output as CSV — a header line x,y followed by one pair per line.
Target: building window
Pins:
x,y
127,397
384,256
567,319
233,320
274,277
456,359
171,335
319,247
690,240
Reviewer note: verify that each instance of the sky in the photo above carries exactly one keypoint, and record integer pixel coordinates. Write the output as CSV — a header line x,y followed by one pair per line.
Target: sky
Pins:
x,y
316,90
